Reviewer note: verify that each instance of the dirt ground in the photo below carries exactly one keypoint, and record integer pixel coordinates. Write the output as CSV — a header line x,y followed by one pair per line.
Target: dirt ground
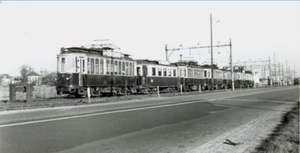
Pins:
x,y
245,138
285,137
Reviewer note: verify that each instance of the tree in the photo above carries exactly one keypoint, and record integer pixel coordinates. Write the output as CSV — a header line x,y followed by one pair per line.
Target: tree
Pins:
x,y
49,79
24,70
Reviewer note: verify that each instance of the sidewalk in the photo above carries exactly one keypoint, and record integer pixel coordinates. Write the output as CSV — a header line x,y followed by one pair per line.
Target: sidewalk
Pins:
x,y
6,105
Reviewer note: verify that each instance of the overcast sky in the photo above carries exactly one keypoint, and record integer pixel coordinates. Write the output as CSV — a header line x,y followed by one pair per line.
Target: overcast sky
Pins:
x,y
33,32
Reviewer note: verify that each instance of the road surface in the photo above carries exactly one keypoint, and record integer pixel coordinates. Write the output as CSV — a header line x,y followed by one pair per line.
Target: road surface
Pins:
x,y
178,124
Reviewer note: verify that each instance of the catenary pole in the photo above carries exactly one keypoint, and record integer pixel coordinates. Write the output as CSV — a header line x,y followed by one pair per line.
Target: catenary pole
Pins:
x,y
231,66
211,52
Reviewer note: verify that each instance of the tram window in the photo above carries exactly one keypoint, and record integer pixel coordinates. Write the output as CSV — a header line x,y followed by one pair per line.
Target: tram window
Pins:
x,y
120,67
83,65
107,66
159,71
101,66
63,64
153,71
130,69
116,67
208,74
174,72
88,65
126,68
111,66
196,73
76,65
190,73
205,74
165,72
92,65
123,68
97,66
184,72
138,70
169,72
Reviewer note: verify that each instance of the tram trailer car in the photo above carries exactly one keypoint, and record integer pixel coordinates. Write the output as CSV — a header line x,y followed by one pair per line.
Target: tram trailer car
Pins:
x,y
195,78
243,79
79,68
169,77
227,81
250,79
152,74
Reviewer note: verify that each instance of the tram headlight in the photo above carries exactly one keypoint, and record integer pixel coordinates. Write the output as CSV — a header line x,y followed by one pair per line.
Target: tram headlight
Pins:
x,y
68,78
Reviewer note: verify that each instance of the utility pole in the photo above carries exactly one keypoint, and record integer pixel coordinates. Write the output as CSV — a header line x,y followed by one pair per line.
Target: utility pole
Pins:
x,y
289,71
286,72
282,80
211,52
275,70
264,74
211,48
231,66
279,76
270,71
294,72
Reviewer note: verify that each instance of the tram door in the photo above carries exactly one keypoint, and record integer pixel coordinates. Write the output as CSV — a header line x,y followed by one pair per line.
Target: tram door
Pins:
x,y
144,80
80,68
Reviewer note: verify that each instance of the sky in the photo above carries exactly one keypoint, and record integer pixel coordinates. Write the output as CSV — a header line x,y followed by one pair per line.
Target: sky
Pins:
x,y
33,32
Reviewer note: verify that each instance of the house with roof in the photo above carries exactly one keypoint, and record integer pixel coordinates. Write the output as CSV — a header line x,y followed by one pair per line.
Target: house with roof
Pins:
x,y
16,79
5,79
33,77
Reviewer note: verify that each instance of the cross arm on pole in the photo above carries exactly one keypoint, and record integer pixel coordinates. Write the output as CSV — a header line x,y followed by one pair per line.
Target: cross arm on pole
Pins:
x,y
187,48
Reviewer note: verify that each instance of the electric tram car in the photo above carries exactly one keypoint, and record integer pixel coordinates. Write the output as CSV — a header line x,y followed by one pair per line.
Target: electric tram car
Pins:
x,y
79,68
107,72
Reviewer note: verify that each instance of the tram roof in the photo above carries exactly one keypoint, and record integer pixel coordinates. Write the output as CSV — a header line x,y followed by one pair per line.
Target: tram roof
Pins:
x,y
100,51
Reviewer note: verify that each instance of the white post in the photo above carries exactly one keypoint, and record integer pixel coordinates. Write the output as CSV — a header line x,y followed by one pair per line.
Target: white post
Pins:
x,y
199,88
181,89
157,91
125,89
89,94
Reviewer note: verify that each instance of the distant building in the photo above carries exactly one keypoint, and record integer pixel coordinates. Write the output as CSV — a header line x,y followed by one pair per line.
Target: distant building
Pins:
x,y
16,80
5,79
33,77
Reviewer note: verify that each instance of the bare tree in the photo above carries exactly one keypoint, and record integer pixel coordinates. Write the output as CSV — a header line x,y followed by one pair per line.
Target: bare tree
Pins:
x,y
24,70
49,79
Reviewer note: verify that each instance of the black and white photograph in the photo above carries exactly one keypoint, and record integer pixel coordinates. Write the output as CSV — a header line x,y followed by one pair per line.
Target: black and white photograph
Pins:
x,y
149,76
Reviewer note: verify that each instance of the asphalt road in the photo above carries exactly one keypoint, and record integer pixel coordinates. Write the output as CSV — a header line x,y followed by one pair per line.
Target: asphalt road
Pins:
x,y
164,128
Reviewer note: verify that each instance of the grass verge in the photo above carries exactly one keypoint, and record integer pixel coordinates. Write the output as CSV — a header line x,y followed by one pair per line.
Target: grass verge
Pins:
x,y
285,137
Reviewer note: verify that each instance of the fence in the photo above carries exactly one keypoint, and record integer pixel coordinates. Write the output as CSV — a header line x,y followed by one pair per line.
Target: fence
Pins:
x,y
40,92
43,92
